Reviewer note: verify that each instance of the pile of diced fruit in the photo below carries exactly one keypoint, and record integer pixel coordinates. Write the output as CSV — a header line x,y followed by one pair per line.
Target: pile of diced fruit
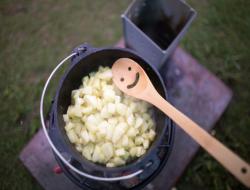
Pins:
x,y
105,125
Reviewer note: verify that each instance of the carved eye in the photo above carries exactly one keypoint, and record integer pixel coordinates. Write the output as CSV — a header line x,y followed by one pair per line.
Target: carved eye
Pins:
x,y
129,68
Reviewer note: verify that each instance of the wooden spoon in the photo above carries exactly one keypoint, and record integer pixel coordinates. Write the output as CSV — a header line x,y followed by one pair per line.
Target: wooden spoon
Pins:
x,y
130,78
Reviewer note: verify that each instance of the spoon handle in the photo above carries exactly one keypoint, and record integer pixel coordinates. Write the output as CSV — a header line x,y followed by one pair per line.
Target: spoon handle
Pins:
x,y
232,162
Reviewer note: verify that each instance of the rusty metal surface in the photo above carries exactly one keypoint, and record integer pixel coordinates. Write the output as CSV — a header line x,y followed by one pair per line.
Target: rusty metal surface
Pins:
x,y
191,88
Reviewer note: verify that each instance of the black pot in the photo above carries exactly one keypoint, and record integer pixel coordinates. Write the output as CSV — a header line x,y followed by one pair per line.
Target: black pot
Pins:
x,y
86,60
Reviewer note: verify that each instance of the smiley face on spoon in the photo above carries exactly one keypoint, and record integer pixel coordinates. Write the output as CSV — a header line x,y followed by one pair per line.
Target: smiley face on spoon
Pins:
x,y
128,76
137,77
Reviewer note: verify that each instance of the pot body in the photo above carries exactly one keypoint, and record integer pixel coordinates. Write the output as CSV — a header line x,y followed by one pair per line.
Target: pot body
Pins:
x,y
87,60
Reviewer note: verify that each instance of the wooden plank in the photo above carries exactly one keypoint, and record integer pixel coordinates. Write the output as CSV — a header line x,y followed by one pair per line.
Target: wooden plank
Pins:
x,y
191,88
38,157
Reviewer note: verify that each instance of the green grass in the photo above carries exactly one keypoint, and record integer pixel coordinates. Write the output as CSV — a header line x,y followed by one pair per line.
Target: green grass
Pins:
x,y
35,35
219,39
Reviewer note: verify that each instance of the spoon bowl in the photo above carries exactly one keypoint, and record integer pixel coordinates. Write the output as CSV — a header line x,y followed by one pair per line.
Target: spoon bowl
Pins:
x,y
129,77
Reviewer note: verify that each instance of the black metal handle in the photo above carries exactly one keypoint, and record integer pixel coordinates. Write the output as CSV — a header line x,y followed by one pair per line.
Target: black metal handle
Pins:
x,y
81,51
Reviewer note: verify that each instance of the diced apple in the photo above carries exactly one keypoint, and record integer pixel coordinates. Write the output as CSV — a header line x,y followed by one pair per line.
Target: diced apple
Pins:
x,y
120,129
139,140
107,149
121,108
138,122
72,136
120,152
85,136
118,161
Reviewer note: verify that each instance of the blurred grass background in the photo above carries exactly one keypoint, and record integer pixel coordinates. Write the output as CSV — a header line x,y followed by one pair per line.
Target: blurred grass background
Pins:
x,y
35,35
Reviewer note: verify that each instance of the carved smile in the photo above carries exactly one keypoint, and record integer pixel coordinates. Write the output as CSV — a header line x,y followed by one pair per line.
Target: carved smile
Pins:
x,y
137,77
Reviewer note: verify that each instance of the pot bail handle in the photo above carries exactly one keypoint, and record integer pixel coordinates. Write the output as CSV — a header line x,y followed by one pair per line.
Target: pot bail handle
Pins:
x,y
74,55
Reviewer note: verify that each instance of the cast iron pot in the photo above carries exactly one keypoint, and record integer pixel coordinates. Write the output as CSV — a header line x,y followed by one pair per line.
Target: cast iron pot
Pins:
x,y
86,59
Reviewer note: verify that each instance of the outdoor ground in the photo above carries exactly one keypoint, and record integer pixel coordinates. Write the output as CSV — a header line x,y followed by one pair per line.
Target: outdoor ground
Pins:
x,y
35,35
